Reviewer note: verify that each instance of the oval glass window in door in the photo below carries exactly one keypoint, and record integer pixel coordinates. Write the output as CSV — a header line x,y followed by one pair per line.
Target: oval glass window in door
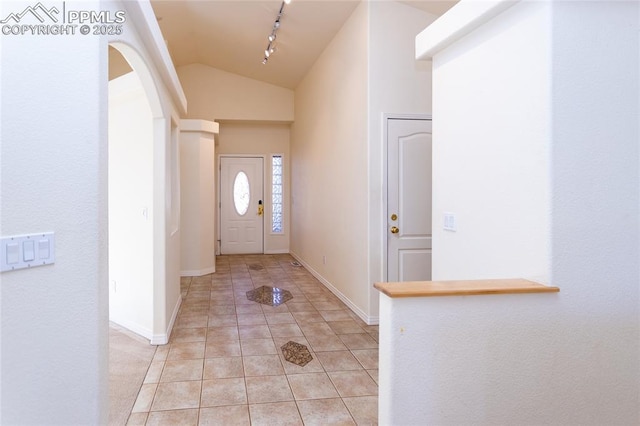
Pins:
x,y
241,193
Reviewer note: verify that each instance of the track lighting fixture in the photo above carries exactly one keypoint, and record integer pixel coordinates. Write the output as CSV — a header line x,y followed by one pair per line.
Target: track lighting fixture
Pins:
x,y
272,37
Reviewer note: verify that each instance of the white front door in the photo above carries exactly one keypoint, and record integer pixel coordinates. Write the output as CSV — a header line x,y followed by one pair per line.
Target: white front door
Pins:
x,y
408,200
241,205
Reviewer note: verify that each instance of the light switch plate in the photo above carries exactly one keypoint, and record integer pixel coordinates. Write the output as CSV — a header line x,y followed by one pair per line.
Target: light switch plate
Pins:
x,y
27,251
450,222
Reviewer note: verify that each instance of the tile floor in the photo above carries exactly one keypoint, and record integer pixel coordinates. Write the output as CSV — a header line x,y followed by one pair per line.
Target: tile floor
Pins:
x,y
224,366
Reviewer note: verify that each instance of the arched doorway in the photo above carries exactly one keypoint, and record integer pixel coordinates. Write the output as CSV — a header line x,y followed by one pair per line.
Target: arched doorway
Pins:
x,y
136,216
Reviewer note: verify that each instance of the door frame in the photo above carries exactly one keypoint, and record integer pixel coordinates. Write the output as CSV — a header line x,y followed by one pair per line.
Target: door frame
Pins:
x,y
385,178
218,190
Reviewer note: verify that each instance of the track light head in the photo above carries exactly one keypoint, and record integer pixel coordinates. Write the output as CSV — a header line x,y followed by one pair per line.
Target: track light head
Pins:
x,y
272,37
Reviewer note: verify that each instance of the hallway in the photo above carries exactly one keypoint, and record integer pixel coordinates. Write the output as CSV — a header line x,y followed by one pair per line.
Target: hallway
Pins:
x,y
224,363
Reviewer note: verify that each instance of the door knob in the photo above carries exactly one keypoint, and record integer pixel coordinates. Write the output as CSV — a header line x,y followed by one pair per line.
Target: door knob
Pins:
x,y
260,208
394,229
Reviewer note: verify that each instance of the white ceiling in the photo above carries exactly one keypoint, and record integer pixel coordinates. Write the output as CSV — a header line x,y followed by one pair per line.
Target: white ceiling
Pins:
x,y
231,35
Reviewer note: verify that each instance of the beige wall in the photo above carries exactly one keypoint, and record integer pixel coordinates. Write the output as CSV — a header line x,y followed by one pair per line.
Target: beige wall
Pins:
x,y
263,139
130,206
197,197
338,146
218,95
330,165
398,84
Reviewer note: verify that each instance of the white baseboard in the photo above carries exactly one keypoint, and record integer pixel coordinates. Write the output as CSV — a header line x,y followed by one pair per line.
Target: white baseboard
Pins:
x,y
198,272
133,327
359,312
163,339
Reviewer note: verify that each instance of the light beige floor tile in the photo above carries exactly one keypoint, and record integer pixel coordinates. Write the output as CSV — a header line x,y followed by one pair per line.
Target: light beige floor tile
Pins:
x,y
258,347
188,350
275,414
221,294
145,398
324,343
237,415
268,389
222,320
312,386
262,365
161,353
137,419
189,335
222,310
306,317
216,349
374,375
198,292
372,328
173,418
251,319
236,375
300,306
176,396
341,315
216,334
280,318
218,392
358,341
338,361
191,321
364,409
280,309
367,357
193,307
327,306
320,412
317,329
254,332
223,367
182,370
255,309
285,330
242,298
154,372
353,383
345,327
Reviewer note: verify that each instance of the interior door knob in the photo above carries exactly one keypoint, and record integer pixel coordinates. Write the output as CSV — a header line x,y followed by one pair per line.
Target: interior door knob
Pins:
x,y
394,229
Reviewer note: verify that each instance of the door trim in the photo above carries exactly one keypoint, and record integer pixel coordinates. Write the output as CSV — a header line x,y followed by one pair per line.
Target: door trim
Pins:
x,y
218,189
385,176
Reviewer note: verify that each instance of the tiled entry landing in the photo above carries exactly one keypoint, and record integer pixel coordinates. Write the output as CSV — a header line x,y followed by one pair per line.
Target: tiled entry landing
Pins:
x,y
224,364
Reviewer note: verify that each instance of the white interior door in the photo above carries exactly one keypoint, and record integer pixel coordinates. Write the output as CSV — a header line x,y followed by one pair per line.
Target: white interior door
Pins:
x,y
241,205
409,200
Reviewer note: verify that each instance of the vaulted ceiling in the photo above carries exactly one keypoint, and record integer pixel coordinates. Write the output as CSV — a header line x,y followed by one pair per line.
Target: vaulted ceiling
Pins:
x,y
231,35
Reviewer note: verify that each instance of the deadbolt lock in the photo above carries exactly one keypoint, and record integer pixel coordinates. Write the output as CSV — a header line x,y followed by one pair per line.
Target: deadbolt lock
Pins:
x,y
394,217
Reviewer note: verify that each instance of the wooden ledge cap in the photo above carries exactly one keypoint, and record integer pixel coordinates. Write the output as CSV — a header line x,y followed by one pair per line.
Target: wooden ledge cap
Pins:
x,y
462,287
